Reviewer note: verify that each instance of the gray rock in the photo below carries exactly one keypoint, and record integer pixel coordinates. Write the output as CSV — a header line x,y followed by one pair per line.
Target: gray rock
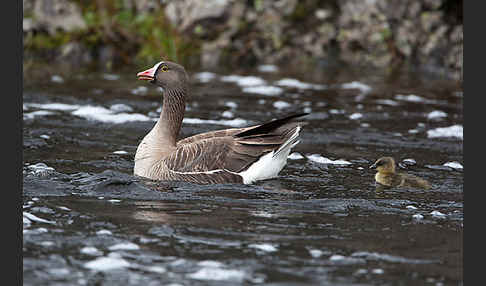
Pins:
x,y
75,54
145,6
54,15
185,13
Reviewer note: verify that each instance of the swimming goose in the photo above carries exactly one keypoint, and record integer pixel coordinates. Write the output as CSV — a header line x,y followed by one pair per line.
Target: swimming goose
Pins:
x,y
387,175
235,155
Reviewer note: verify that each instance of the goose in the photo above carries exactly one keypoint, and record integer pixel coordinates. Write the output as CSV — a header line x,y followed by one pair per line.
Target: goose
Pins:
x,y
235,155
387,176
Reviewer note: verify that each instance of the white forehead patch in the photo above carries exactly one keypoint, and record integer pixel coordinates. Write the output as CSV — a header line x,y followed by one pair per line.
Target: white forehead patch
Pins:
x,y
154,69
157,65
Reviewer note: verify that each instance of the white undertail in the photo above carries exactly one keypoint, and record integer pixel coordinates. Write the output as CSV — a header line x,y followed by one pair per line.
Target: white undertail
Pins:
x,y
269,165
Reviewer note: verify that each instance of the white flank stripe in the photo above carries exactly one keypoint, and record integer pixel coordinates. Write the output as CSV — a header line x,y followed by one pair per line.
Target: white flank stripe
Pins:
x,y
197,173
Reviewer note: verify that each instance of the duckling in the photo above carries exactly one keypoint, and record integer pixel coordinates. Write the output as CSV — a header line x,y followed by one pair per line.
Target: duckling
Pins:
x,y
387,175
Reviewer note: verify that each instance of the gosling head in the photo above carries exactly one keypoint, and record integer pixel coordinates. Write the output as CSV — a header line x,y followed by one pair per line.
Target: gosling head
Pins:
x,y
167,75
384,165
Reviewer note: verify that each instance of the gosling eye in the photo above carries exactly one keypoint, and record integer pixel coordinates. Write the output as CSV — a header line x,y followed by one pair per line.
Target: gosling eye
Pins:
x,y
164,68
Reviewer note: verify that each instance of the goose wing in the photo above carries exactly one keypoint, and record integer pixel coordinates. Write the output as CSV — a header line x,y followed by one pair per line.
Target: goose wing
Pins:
x,y
226,153
231,149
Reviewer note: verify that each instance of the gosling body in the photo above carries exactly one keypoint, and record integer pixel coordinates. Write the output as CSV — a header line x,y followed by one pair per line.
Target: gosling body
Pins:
x,y
389,177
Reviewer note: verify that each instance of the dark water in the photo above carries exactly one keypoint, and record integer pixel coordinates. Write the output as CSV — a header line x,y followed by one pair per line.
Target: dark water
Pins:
x,y
317,224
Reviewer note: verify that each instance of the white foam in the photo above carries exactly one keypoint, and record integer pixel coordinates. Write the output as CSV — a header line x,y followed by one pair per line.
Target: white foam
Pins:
x,y
451,131
410,98
106,264
120,152
295,156
363,88
40,169
411,207
323,160
356,116
263,89
32,217
105,115
261,214
341,259
54,106
377,271
57,79
139,90
336,257
218,274
26,221
244,80
104,232
237,122
35,231
227,114
267,68
231,104
454,165
361,271
124,246
91,250
316,253
387,102
417,216
59,271
210,263
436,114
387,257
264,247
410,161
437,214
120,107
47,243
204,76
336,111
281,104
156,269
295,83
33,114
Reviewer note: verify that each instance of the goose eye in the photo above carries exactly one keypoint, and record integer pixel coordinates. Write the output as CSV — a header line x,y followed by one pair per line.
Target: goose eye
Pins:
x,y
164,68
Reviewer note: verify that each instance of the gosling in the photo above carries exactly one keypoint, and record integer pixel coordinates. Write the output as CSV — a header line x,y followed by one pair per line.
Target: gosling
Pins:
x,y
387,175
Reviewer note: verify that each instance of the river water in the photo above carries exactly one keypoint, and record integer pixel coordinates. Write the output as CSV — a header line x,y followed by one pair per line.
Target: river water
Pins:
x,y
88,221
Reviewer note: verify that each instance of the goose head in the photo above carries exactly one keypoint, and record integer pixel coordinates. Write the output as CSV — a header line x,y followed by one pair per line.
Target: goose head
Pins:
x,y
167,75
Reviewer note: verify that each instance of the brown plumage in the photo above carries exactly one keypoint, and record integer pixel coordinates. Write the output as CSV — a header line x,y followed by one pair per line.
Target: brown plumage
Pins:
x,y
387,175
223,156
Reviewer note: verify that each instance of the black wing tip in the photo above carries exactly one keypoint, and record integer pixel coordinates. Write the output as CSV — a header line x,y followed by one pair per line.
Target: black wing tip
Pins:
x,y
266,127
295,115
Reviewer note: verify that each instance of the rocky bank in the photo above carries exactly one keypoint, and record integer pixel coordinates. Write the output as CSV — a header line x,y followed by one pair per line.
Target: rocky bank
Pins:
x,y
388,34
